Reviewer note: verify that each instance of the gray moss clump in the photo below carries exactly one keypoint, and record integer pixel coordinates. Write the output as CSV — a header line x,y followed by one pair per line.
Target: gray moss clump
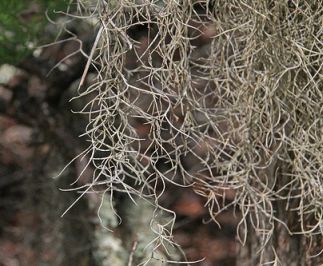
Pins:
x,y
222,95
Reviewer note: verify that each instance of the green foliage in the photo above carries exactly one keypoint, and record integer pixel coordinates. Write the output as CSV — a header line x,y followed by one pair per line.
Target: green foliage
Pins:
x,y
21,23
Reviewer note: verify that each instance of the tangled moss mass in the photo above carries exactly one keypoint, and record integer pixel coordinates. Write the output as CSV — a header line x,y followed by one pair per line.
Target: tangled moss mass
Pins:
x,y
21,23
222,96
